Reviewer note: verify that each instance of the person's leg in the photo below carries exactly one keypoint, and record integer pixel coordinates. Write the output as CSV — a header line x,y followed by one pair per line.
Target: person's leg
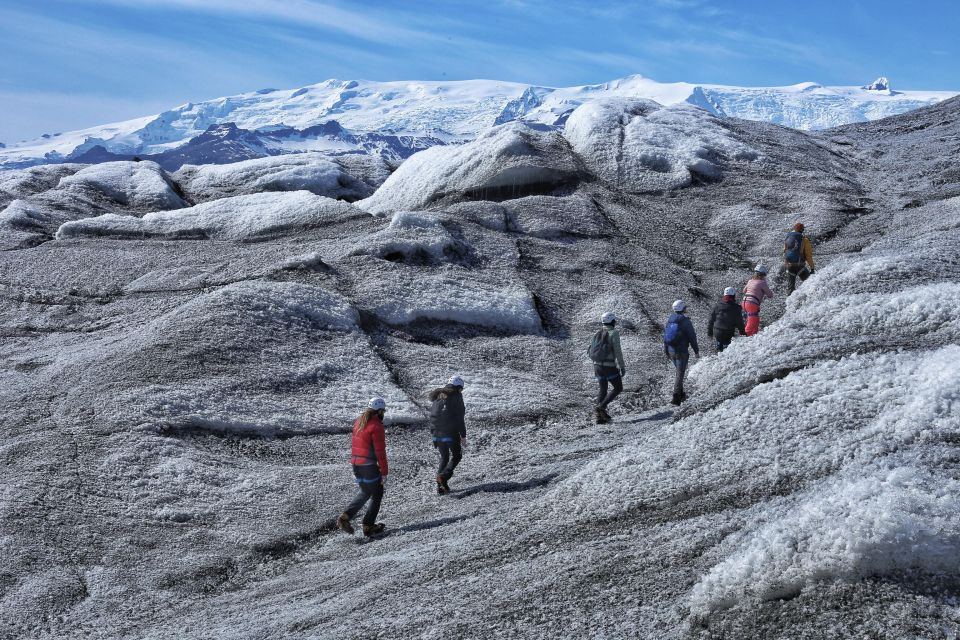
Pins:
x,y
723,341
357,503
617,387
375,491
444,449
602,382
680,363
753,318
804,273
791,280
456,454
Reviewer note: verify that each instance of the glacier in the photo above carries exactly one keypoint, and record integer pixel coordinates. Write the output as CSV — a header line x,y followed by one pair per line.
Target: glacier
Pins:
x,y
395,119
184,351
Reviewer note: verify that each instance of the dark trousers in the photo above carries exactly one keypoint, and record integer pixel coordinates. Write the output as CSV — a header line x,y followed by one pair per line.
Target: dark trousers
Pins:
x,y
607,377
450,455
794,272
723,341
680,362
371,488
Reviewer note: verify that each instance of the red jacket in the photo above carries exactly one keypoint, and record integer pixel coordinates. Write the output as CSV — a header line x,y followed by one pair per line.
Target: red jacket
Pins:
x,y
370,445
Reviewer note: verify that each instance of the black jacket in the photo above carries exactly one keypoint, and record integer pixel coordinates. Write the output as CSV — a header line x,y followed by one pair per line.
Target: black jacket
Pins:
x,y
727,317
447,413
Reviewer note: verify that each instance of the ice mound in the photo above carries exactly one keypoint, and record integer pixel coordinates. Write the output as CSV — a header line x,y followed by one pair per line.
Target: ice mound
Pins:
x,y
876,521
141,185
636,145
504,162
411,237
247,217
312,172
405,295
290,357
21,183
127,188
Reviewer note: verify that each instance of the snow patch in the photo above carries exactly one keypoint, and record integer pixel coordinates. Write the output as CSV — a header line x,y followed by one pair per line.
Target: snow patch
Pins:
x,y
636,145
238,218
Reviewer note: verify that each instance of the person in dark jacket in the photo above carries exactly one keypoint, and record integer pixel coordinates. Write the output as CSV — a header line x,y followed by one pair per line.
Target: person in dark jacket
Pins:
x,y
679,350
369,460
726,319
449,429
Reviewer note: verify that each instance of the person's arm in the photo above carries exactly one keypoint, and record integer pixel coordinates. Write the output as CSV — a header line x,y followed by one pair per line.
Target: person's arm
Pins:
x,y
710,322
767,291
808,253
380,449
692,336
617,352
463,420
741,325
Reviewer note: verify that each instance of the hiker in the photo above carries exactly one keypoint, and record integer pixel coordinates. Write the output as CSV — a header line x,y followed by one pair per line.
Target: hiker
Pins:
x,y
369,459
449,429
726,319
608,367
754,293
797,250
678,337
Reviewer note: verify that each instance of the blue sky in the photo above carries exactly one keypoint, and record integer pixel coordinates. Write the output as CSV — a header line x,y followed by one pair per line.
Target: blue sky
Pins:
x,y
74,63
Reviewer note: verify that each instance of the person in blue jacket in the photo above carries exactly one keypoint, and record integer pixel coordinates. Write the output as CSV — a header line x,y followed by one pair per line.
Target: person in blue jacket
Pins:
x,y
678,338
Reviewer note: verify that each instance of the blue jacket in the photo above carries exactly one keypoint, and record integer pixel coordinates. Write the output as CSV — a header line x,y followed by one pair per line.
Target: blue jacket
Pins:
x,y
688,337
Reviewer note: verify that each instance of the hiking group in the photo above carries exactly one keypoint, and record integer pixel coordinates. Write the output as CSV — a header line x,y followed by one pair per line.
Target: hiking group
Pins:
x,y
448,412
679,337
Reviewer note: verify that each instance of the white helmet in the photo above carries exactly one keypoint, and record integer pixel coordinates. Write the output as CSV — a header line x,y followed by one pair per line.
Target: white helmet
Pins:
x,y
455,381
729,291
679,306
377,404
608,318
760,269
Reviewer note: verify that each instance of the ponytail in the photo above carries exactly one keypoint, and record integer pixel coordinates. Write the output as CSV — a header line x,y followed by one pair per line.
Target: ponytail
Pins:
x,y
365,418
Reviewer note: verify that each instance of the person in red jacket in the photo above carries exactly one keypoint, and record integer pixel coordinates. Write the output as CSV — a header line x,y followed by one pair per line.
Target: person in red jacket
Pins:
x,y
369,459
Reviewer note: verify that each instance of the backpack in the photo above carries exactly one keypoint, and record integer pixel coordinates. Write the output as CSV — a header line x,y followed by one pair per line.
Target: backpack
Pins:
x,y
672,334
438,410
793,248
600,349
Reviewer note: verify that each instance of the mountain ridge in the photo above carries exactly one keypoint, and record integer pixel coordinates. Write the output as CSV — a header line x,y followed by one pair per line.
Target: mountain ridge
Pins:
x,y
434,112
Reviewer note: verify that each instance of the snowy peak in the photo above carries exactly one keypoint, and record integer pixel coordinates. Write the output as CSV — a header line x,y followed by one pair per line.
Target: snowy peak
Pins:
x,y
404,116
880,84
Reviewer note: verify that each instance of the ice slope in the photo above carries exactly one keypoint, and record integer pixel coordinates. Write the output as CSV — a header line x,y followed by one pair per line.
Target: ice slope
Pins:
x,y
451,111
177,410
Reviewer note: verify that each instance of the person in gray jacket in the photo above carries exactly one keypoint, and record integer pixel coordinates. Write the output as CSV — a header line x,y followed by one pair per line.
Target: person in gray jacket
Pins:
x,y
608,366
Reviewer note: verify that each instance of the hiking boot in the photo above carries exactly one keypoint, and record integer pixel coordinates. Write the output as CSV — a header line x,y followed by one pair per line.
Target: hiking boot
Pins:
x,y
442,486
373,529
683,396
343,523
602,416
677,399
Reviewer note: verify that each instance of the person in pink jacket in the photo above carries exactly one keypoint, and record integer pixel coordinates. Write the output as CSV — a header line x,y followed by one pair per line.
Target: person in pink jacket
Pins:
x,y
756,291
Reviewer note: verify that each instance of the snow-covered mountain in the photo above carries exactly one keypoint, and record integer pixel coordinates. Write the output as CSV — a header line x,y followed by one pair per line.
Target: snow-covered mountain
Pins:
x,y
396,119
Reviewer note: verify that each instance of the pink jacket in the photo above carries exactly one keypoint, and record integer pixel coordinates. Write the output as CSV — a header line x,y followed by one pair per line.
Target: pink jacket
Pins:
x,y
756,291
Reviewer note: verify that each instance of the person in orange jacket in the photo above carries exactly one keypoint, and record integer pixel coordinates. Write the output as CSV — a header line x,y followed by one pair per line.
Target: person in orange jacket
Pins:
x,y
754,293
797,250
369,460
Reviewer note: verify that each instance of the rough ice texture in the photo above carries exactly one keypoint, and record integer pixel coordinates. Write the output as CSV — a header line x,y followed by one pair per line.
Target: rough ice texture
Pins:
x,y
26,182
176,415
504,161
143,185
324,357
238,218
123,188
319,174
452,295
636,145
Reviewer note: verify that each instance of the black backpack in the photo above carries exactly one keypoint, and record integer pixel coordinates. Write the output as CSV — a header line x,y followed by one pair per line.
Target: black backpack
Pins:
x,y
600,349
